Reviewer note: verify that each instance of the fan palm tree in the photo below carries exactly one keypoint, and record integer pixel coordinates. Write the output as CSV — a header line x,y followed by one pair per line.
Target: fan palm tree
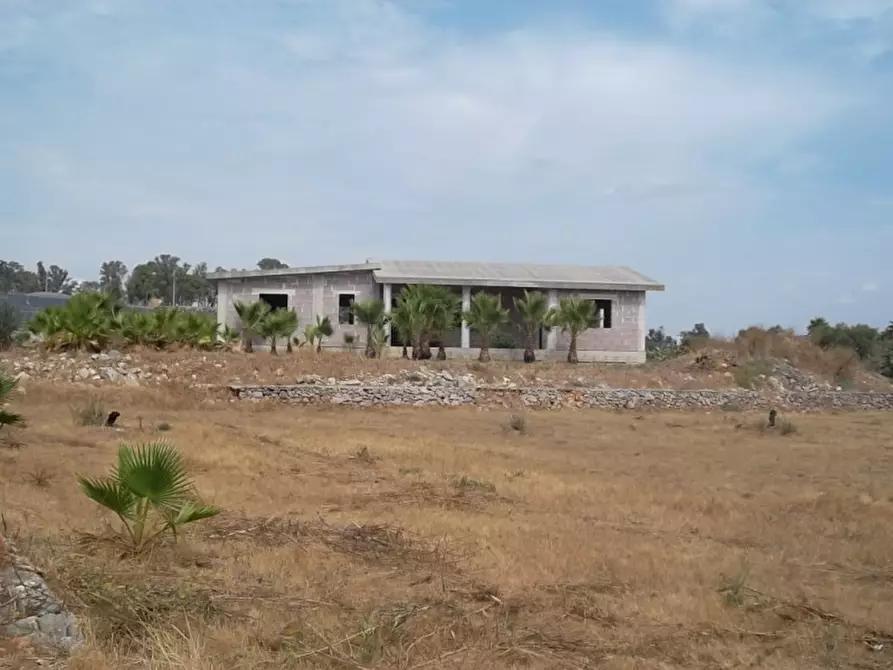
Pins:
x,y
278,324
402,320
371,313
426,307
7,386
289,326
444,310
416,301
148,478
484,316
573,315
251,315
533,308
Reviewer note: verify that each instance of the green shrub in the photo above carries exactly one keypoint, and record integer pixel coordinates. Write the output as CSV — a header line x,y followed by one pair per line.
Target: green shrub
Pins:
x,y
748,375
503,341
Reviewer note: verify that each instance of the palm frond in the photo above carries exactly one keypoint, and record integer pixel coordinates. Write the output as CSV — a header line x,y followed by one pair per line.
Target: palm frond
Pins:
x,y
8,384
11,419
154,471
111,494
192,511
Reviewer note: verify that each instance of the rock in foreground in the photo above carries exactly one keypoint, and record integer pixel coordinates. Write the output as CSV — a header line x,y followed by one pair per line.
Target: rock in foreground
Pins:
x,y
28,609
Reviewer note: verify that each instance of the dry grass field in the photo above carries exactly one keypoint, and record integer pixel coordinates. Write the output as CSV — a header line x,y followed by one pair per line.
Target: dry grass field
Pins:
x,y
444,538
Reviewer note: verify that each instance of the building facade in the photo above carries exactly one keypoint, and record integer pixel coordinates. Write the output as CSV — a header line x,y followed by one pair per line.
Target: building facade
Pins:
x,y
619,294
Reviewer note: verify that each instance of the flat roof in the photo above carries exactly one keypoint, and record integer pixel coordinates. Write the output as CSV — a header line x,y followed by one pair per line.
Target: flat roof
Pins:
x,y
533,275
459,273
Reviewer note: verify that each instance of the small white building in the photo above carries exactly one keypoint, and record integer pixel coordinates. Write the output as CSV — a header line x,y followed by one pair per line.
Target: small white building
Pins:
x,y
618,293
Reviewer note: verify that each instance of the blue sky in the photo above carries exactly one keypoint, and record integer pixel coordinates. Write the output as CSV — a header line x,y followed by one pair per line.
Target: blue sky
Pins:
x,y
740,151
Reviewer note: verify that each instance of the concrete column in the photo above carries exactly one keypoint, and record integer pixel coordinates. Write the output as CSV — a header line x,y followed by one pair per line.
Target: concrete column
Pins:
x,y
642,331
552,335
466,305
387,300
222,301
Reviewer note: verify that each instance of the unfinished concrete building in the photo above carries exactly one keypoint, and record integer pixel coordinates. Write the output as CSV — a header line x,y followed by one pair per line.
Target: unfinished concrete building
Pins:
x,y
619,294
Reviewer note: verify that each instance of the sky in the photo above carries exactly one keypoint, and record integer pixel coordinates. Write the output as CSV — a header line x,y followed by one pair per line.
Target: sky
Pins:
x,y
738,151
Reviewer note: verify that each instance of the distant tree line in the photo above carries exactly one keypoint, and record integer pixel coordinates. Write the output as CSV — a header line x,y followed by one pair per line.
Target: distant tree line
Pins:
x,y
873,346
165,278
16,278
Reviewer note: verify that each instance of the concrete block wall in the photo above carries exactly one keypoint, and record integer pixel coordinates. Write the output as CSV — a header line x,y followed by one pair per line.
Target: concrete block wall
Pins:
x,y
309,295
627,331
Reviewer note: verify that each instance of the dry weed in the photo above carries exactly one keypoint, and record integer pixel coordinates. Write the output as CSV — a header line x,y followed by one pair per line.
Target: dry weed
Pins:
x,y
352,540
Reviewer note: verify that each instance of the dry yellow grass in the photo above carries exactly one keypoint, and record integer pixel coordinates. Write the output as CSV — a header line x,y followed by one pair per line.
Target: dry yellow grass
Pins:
x,y
429,538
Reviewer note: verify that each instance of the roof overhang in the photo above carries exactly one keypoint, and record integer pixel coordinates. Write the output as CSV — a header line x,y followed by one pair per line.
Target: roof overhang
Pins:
x,y
519,283
291,272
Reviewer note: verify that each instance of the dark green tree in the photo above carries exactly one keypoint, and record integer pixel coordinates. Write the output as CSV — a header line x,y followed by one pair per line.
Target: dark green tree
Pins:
x,y
271,264
111,277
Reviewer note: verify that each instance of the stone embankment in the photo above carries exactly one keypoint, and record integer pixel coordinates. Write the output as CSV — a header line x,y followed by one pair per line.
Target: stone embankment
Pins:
x,y
354,393
28,609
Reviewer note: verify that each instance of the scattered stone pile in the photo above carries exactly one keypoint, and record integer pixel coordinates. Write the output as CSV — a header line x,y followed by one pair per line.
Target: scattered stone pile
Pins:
x,y
112,367
781,385
356,394
28,609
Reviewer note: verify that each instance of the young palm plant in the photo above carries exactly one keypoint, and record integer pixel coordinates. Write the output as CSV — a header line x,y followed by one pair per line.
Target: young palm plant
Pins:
x,y
573,315
485,316
533,308
87,322
135,327
48,324
7,386
251,315
322,329
196,330
150,492
371,313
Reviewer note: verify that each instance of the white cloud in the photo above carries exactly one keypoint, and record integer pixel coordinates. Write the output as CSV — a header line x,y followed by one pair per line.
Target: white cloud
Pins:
x,y
870,287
